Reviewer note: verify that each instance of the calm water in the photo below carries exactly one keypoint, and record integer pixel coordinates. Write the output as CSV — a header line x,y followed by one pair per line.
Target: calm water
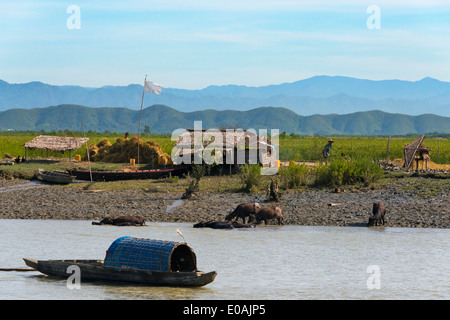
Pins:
x,y
287,262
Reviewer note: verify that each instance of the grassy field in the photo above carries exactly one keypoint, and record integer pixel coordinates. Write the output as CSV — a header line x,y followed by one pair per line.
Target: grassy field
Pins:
x,y
12,143
297,148
310,148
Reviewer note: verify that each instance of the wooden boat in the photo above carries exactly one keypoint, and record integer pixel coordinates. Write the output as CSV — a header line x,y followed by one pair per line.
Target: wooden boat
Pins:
x,y
128,175
56,177
95,270
133,260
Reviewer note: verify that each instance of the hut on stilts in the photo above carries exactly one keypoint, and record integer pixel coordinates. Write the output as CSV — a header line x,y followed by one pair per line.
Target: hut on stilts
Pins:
x,y
52,143
416,152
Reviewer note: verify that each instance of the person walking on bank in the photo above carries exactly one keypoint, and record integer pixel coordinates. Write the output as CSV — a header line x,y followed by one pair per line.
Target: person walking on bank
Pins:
x,y
326,150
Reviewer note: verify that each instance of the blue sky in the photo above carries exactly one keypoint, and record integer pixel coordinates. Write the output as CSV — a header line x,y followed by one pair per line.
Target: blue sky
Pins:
x,y
193,44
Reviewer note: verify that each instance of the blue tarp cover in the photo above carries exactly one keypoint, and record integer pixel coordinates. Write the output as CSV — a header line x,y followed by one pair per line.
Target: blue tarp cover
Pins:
x,y
139,253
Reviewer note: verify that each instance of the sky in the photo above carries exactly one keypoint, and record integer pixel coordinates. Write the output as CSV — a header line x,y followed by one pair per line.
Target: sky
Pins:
x,y
194,44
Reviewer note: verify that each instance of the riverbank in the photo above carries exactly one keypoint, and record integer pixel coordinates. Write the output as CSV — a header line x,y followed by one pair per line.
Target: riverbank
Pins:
x,y
411,202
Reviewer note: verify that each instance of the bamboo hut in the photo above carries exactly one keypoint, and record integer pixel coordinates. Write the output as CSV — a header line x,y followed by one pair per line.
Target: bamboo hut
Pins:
x,y
52,143
416,151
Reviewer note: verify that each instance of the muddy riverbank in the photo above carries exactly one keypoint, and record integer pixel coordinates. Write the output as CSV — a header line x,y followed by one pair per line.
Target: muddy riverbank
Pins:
x,y
410,202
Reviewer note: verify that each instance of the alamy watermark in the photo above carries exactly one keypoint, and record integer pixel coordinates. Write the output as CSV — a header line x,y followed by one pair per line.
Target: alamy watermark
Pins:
x,y
74,280
228,146
374,280
374,20
74,20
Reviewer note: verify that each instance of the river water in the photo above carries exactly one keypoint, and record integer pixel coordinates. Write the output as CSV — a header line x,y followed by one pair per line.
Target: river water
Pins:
x,y
265,263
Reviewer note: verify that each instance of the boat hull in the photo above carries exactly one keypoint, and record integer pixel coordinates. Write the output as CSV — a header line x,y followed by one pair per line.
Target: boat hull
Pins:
x,y
94,270
127,175
56,177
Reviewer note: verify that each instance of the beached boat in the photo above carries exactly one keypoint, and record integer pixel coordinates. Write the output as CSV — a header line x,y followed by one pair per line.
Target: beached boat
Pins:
x,y
134,260
56,177
128,175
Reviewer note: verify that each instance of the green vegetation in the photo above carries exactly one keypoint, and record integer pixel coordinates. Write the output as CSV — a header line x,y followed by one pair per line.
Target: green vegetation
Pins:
x,y
250,176
294,175
350,163
345,172
292,147
163,119
12,142
304,148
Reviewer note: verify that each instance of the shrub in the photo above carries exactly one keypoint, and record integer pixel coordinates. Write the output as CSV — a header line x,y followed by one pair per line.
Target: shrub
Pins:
x,y
343,172
294,175
250,175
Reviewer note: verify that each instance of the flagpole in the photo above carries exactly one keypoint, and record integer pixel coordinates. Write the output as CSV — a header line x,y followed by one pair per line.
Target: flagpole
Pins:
x,y
140,114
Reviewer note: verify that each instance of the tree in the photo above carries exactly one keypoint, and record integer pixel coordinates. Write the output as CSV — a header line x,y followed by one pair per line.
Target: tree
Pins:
x,y
147,130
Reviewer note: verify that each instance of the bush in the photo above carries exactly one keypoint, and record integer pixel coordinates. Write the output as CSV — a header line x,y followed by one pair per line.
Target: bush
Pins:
x,y
250,175
343,172
198,171
294,175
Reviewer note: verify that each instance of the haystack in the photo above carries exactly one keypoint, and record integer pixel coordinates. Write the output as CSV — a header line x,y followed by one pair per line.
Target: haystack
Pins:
x,y
125,149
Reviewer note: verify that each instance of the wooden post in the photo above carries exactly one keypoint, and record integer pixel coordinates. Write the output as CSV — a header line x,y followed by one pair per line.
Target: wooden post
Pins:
x,y
437,158
388,148
139,126
87,151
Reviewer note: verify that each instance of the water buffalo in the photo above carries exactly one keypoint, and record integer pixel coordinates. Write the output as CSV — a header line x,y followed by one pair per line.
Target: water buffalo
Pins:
x,y
122,221
242,211
222,225
214,225
267,213
378,213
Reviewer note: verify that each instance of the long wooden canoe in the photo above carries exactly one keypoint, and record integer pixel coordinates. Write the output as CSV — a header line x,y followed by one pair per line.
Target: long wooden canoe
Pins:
x,y
56,177
96,270
128,175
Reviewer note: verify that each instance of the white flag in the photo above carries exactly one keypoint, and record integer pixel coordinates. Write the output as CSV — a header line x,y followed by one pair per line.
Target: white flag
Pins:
x,y
152,87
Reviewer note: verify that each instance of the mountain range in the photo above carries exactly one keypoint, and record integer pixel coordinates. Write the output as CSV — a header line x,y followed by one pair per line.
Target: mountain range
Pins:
x,y
163,119
315,95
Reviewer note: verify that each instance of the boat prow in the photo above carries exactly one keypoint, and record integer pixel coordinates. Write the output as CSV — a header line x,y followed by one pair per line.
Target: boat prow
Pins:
x,y
32,263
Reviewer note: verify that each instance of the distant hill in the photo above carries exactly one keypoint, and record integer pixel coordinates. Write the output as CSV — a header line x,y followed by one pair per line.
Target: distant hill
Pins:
x,y
316,95
163,119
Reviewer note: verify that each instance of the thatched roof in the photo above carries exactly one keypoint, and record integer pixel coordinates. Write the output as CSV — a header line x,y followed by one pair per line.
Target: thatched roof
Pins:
x,y
236,138
55,143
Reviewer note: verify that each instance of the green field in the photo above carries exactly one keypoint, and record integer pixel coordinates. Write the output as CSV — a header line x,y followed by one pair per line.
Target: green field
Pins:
x,y
12,143
310,148
297,148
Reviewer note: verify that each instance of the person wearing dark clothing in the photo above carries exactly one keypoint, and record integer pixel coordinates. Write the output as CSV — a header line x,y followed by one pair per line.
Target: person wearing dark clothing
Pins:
x,y
326,150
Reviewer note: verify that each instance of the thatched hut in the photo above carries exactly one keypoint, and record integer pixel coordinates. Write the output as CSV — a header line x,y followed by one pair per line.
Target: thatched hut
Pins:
x,y
52,143
236,146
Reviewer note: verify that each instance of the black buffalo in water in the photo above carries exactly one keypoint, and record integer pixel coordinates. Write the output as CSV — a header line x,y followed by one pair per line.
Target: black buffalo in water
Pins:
x,y
378,213
222,225
122,221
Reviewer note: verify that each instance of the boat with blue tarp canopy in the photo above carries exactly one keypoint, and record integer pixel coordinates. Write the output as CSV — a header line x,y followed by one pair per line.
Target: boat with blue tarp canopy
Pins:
x,y
136,260
148,254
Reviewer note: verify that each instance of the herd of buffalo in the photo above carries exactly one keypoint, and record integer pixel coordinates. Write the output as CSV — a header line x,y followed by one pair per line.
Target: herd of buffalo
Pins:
x,y
253,212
